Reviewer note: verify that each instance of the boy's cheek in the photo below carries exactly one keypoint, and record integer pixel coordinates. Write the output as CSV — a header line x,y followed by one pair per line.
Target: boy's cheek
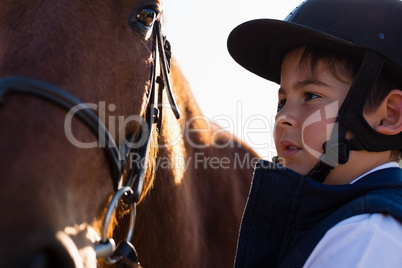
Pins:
x,y
314,136
277,133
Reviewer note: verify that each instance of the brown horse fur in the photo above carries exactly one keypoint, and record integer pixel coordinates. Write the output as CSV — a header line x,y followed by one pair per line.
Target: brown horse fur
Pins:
x,y
53,194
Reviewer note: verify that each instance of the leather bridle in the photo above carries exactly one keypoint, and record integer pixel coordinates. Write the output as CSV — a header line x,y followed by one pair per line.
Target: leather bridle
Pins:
x,y
128,179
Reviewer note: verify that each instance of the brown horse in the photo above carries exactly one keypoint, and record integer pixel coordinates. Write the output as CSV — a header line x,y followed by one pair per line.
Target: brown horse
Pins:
x,y
55,190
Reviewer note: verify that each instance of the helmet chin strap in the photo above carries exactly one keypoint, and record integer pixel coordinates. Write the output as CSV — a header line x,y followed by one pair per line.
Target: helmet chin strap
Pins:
x,y
336,150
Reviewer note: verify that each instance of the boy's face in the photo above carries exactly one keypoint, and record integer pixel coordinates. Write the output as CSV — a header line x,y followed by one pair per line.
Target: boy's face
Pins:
x,y
308,103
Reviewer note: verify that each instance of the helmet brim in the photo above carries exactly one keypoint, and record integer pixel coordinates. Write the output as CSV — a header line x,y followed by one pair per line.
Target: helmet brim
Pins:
x,y
260,45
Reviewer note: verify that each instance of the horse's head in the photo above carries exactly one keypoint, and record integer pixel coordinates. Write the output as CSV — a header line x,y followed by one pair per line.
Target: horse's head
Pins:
x,y
55,177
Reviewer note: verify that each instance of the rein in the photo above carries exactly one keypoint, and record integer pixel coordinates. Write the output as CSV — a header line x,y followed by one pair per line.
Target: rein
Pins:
x,y
128,188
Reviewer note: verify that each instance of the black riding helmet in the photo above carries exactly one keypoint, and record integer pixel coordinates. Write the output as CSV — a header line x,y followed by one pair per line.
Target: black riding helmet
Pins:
x,y
369,30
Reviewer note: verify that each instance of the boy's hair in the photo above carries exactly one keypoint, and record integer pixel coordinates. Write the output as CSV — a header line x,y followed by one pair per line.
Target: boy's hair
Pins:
x,y
341,65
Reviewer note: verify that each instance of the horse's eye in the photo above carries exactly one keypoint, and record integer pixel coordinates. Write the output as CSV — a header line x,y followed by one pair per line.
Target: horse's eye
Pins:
x,y
146,17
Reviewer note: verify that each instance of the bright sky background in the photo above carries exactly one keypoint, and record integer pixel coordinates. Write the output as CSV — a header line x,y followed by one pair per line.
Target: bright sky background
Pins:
x,y
239,101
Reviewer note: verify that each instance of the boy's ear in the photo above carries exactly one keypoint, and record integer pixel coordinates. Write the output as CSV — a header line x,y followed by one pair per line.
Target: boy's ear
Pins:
x,y
391,107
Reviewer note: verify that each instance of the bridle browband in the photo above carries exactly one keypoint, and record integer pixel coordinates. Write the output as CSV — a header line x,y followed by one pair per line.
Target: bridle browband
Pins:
x,y
127,179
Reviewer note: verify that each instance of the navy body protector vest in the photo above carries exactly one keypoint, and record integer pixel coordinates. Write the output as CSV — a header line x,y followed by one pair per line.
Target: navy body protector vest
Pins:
x,y
287,214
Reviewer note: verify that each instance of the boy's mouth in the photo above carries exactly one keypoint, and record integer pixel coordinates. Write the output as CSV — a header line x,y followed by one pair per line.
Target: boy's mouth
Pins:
x,y
289,148
290,151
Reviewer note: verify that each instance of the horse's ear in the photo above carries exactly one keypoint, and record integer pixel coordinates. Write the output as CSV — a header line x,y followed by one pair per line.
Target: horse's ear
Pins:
x,y
390,112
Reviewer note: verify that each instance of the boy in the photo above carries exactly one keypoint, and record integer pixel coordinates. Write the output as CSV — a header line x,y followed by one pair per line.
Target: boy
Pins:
x,y
334,199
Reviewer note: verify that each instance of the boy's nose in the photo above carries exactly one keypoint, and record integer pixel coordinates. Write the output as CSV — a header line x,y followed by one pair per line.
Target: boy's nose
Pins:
x,y
284,120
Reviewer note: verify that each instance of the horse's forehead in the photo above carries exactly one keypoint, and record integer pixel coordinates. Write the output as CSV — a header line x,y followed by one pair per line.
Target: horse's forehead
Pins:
x,y
17,9
38,17
58,34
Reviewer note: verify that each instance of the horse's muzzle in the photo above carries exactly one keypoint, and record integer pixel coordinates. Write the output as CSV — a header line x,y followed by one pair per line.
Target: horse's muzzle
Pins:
x,y
56,250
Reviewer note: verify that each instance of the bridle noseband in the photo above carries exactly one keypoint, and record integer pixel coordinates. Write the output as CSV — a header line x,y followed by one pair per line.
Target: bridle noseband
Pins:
x,y
128,188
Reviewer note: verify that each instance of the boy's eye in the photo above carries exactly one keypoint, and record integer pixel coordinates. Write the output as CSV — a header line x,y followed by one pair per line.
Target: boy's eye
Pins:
x,y
281,105
311,96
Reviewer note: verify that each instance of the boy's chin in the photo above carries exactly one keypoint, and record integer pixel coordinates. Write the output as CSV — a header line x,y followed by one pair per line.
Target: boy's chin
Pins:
x,y
303,170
